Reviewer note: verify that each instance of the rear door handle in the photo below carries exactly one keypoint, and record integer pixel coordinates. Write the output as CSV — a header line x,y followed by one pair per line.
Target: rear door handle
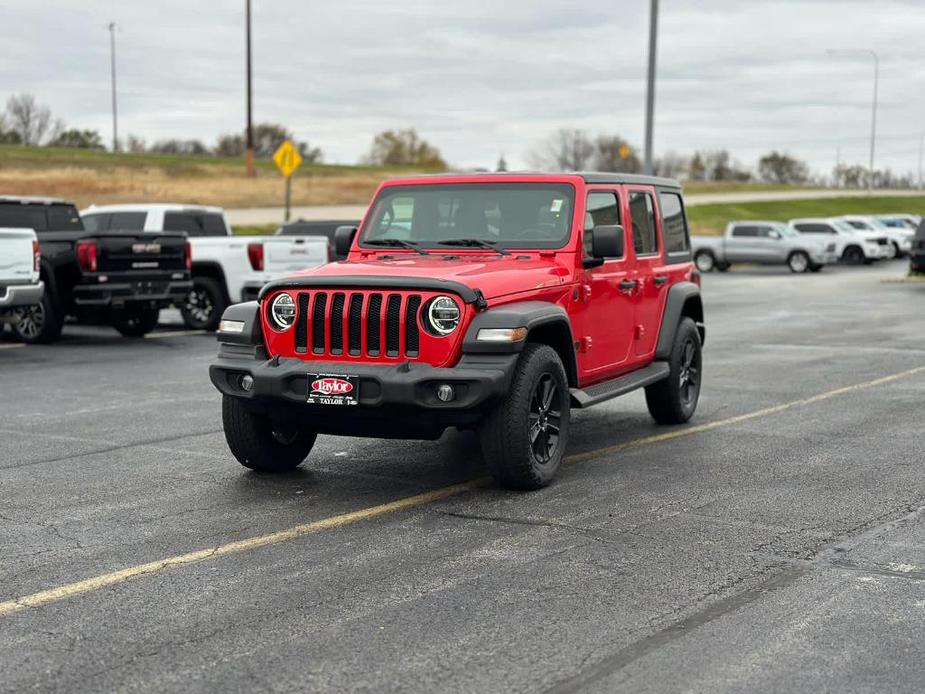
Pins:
x,y
627,285
660,280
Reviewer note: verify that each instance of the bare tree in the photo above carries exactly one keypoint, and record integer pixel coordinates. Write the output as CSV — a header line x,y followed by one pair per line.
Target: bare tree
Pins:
x,y
402,147
613,153
671,165
566,150
135,144
30,120
777,167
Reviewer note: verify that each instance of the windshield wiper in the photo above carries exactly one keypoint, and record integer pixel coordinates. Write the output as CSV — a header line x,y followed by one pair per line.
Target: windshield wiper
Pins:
x,y
396,243
474,243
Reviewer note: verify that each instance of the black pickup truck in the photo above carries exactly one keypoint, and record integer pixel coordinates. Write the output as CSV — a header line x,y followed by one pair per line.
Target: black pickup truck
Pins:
x,y
120,278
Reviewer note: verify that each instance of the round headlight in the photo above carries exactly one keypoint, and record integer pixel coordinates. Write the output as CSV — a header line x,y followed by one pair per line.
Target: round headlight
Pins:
x,y
282,310
443,315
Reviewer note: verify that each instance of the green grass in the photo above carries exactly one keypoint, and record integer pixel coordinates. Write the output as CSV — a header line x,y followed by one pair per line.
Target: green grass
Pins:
x,y
259,230
712,219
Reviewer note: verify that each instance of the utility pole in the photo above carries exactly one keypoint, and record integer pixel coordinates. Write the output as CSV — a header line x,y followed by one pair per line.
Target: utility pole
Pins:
x,y
649,168
873,117
112,63
921,148
250,126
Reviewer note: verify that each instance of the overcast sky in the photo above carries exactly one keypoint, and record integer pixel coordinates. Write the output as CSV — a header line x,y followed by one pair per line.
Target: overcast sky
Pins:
x,y
482,77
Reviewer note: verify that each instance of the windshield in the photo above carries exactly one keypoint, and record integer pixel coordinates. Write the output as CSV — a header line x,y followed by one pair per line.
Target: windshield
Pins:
x,y
507,215
858,224
785,230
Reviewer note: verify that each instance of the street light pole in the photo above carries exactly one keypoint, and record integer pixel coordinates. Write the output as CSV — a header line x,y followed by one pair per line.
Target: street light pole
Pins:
x,y
921,148
112,65
250,127
873,116
649,168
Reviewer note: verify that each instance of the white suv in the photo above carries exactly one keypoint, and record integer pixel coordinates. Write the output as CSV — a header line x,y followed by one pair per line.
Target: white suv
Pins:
x,y
900,239
852,245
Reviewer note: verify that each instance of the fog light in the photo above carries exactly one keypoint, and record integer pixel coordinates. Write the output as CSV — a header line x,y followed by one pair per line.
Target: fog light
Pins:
x,y
247,382
445,393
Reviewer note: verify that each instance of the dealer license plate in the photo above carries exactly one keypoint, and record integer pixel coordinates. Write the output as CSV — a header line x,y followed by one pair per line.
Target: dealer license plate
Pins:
x,y
333,389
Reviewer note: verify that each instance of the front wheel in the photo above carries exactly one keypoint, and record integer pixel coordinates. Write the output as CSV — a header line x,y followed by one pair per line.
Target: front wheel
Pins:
x,y
897,251
798,262
705,261
136,322
674,399
853,255
261,444
525,437
39,323
204,305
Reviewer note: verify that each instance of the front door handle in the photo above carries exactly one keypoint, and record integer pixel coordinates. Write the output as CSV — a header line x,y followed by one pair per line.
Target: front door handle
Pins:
x,y
627,285
660,280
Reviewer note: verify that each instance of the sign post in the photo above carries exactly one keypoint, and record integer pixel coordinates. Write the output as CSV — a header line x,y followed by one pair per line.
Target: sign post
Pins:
x,y
287,159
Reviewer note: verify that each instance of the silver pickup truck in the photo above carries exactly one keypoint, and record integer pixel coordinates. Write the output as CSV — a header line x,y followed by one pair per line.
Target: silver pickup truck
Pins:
x,y
766,243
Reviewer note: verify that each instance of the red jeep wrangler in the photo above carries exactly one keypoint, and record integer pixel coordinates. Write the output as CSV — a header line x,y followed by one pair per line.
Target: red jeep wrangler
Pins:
x,y
494,302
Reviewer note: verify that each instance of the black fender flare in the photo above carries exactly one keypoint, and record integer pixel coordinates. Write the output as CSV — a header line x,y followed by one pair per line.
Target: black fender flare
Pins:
x,y
249,314
538,317
210,268
50,278
683,300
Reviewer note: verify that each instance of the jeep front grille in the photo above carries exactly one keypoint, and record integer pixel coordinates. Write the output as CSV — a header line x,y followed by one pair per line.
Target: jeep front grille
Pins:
x,y
332,322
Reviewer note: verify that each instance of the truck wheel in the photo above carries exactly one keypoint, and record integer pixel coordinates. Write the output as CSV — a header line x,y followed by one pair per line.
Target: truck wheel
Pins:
x,y
136,322
897,251
204,304
674,399
261,445
853,255
705,261
525,437
798,262
39,323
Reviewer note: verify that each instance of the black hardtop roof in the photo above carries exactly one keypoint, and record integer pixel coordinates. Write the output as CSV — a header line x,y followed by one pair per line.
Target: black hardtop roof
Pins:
x,y
588,176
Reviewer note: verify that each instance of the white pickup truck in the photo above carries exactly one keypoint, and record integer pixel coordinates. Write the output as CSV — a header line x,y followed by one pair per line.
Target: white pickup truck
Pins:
x,y
227,269
20,285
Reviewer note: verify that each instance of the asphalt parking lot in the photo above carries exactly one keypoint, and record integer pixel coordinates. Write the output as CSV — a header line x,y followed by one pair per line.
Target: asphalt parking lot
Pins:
x,y
776,543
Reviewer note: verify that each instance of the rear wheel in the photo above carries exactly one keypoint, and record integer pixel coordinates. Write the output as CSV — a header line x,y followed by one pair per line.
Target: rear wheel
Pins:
x,y
853,255
525,438
799,262
705,261
136,322
673,400
261,444
39,323
204,304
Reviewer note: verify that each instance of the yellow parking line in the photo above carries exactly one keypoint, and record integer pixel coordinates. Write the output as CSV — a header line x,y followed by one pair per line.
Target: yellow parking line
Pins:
x,y
96,583
13,346
175,333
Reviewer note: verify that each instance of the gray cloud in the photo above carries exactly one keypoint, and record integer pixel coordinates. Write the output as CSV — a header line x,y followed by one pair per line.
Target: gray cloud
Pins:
x,y
483,77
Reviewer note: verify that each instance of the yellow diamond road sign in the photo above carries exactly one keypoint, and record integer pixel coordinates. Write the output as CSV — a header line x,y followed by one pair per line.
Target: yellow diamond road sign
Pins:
x,y
287,158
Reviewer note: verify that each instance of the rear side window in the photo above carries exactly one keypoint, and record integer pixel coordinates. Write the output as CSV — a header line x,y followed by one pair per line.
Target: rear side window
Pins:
x,y
745,231
128,221
195,223
64,218
40,217
603,209
813,228
645,235
96,222
674,223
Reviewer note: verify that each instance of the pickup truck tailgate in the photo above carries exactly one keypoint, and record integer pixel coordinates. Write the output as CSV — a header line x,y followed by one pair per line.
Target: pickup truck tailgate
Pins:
x,y
149,250
16,259
291,254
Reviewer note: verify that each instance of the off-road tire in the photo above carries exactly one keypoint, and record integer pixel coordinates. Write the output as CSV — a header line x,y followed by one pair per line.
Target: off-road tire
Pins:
x,y
261,445
705,261
203,307
853,255
669,400
799,262
507,434
136,322
39,323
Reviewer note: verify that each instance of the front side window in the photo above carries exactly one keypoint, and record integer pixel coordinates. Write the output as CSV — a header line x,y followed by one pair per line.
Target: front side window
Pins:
x,y
195,223
645,235
64,218
508,215
96,222
128,221
745,231
674,223
603,209
40,217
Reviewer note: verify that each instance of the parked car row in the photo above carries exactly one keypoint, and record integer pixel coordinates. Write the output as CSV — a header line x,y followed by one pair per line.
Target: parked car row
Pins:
x,y
121,264
807,244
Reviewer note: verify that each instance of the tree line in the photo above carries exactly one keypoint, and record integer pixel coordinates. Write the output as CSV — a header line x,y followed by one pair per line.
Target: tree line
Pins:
x,y
28,122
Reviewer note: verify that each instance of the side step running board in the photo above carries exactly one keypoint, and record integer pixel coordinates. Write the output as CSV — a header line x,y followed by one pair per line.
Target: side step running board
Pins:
x,y
621,385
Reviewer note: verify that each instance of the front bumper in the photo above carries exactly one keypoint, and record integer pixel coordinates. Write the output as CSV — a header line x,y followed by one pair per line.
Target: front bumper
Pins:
x,y
21,295
156,293
397,401
917,262
876,251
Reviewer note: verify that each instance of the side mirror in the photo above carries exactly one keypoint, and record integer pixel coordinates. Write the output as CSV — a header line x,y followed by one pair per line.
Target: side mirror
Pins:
x,y
774,235
343,240
606,242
